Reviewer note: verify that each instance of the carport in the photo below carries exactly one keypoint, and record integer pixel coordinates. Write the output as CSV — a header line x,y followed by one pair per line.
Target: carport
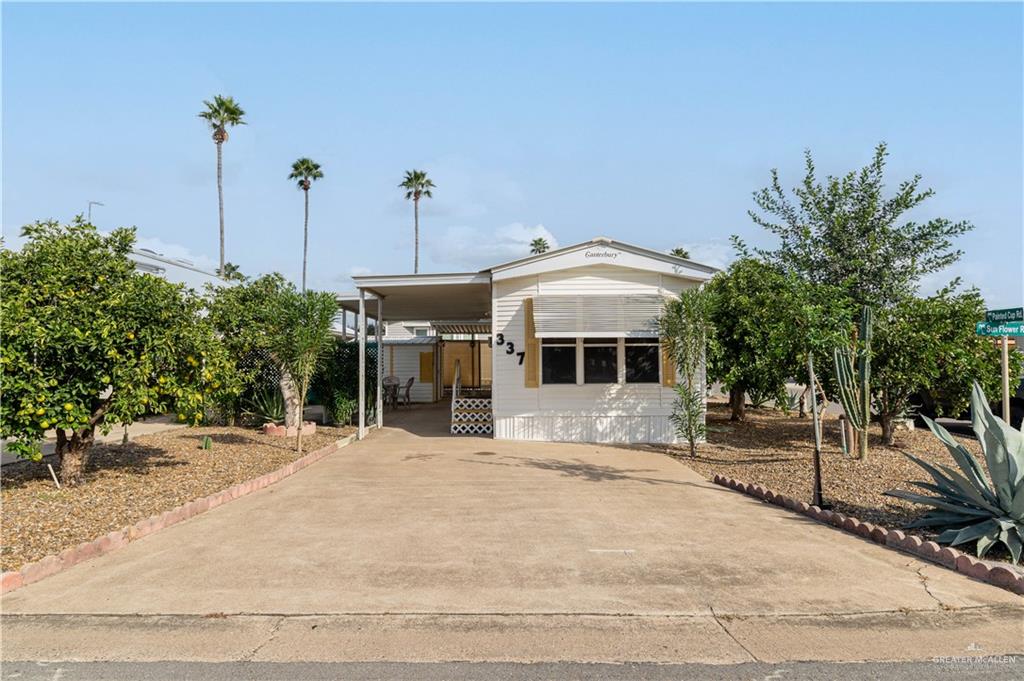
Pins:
x,y
442,299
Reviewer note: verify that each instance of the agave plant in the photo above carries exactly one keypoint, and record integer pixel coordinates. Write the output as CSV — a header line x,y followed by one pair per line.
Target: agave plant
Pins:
x,y
266,406
970,505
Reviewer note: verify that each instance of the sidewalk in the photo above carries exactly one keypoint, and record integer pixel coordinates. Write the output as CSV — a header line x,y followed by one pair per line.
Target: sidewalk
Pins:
x,y
153,424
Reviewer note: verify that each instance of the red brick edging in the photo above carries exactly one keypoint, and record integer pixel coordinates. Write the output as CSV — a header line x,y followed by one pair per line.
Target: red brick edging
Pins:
x,y
52,564
896,539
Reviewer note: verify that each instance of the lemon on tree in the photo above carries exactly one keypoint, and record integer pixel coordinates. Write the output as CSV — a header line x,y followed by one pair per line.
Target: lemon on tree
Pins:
x,y
84,361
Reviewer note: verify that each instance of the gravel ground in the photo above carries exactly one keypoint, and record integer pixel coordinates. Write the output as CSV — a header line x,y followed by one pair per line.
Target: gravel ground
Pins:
x,y
128,483
776,450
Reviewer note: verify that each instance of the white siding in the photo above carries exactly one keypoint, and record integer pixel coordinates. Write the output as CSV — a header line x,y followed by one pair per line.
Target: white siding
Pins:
x,y
590,413
400,330
406,364
396,331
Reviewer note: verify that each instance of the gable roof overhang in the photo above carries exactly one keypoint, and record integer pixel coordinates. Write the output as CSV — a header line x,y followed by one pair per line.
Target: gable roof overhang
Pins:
x,y
603,250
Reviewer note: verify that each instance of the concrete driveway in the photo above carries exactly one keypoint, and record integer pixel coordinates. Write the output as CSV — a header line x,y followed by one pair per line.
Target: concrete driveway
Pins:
x,y
415,546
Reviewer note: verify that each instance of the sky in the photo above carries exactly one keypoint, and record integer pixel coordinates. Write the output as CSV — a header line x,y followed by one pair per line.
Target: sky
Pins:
x,y
652,124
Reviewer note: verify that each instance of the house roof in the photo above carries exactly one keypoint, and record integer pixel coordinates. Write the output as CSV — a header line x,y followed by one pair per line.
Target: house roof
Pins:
x,y
603,250
466,296
604,241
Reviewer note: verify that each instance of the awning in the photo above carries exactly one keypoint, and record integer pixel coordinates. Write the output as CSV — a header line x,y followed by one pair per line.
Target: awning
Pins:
x,y
420,297
415,340
597,316
483,326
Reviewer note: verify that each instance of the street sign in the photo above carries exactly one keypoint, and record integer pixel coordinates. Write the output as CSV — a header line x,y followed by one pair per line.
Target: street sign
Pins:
x,y
1010,314
1006,322
1015,328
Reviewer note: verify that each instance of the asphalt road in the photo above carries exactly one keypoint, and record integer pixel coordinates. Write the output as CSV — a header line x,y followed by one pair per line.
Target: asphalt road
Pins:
x,y
986,668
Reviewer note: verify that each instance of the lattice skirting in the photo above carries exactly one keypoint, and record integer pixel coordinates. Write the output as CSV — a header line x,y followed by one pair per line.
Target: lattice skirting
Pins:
x,y
471,429
471,416
471,403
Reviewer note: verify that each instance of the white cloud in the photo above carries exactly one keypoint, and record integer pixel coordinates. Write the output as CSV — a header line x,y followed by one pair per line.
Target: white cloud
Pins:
x,y
474,249
715,253
176,251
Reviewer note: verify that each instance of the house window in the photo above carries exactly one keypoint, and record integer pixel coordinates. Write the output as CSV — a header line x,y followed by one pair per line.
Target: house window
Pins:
x,y
558,360
642,356
420,331
600,360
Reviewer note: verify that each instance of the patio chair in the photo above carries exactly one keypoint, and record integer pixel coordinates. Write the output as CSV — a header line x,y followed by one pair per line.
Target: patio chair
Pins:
x,y
406,397
391,384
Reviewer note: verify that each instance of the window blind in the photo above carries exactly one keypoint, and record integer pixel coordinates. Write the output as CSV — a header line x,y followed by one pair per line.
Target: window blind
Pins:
x,y
597,316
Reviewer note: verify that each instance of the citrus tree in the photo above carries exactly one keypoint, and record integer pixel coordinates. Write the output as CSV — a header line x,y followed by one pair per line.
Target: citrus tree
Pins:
x,y
929,345
89,342
765,322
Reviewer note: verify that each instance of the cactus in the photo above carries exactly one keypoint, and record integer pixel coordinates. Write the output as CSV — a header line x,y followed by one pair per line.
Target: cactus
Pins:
x,y
206,442
855,392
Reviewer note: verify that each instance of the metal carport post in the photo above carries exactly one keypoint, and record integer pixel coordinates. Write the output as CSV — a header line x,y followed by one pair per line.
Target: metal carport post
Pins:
x,y
361,332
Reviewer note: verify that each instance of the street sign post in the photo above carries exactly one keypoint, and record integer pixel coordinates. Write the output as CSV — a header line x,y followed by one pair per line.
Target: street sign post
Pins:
x,y
1005,322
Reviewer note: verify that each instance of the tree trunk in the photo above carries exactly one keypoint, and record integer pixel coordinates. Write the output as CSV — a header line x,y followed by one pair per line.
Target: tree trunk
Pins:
x,y
73,455
220,201
738,403
305,240
888,429
416,222
290,393
803,403
302,404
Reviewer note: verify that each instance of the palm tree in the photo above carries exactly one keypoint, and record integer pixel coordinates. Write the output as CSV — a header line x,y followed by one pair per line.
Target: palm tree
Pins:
x,y
230,272
680,252
222,113
305,170
416,185
539,245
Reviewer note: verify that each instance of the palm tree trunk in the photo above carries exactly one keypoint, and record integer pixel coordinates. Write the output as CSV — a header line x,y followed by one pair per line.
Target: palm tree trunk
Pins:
x,y
220,201
305,241
416,214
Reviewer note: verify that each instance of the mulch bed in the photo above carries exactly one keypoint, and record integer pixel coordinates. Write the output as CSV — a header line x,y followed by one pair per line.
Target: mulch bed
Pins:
x,y
776,450
128,483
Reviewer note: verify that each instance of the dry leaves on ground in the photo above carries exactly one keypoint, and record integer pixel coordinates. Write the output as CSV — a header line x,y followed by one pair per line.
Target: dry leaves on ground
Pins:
x,y
776,450
128,483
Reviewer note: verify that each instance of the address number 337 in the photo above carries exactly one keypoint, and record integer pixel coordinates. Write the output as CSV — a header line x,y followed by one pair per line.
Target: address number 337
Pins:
x,y
510,347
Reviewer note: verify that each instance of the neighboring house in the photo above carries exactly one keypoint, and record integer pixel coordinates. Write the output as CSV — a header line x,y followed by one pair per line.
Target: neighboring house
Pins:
x,y
174,270
573,340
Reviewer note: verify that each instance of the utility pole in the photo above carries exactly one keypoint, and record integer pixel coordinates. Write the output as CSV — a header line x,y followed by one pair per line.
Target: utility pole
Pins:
x,y
88,210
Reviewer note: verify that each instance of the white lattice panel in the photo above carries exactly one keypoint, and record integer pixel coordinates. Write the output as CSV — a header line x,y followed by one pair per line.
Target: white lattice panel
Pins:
x,y
471,429
471,403
475,417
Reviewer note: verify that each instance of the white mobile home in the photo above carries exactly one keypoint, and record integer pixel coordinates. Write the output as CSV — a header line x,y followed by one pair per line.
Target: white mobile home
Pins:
x,y
573,339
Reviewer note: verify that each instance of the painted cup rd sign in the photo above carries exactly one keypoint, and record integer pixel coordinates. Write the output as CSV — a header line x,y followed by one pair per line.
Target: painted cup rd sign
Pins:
x,y
1010,314
999,329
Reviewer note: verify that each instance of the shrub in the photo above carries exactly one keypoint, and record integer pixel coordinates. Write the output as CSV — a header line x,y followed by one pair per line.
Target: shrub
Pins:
x,y
343,408
266,407
969,505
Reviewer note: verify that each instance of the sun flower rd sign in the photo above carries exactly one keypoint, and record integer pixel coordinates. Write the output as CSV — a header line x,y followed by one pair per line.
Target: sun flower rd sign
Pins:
x,y
999,328
1005,322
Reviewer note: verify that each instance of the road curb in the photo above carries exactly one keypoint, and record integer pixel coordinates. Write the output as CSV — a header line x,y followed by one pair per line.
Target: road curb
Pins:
x,y
945,556
52,564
